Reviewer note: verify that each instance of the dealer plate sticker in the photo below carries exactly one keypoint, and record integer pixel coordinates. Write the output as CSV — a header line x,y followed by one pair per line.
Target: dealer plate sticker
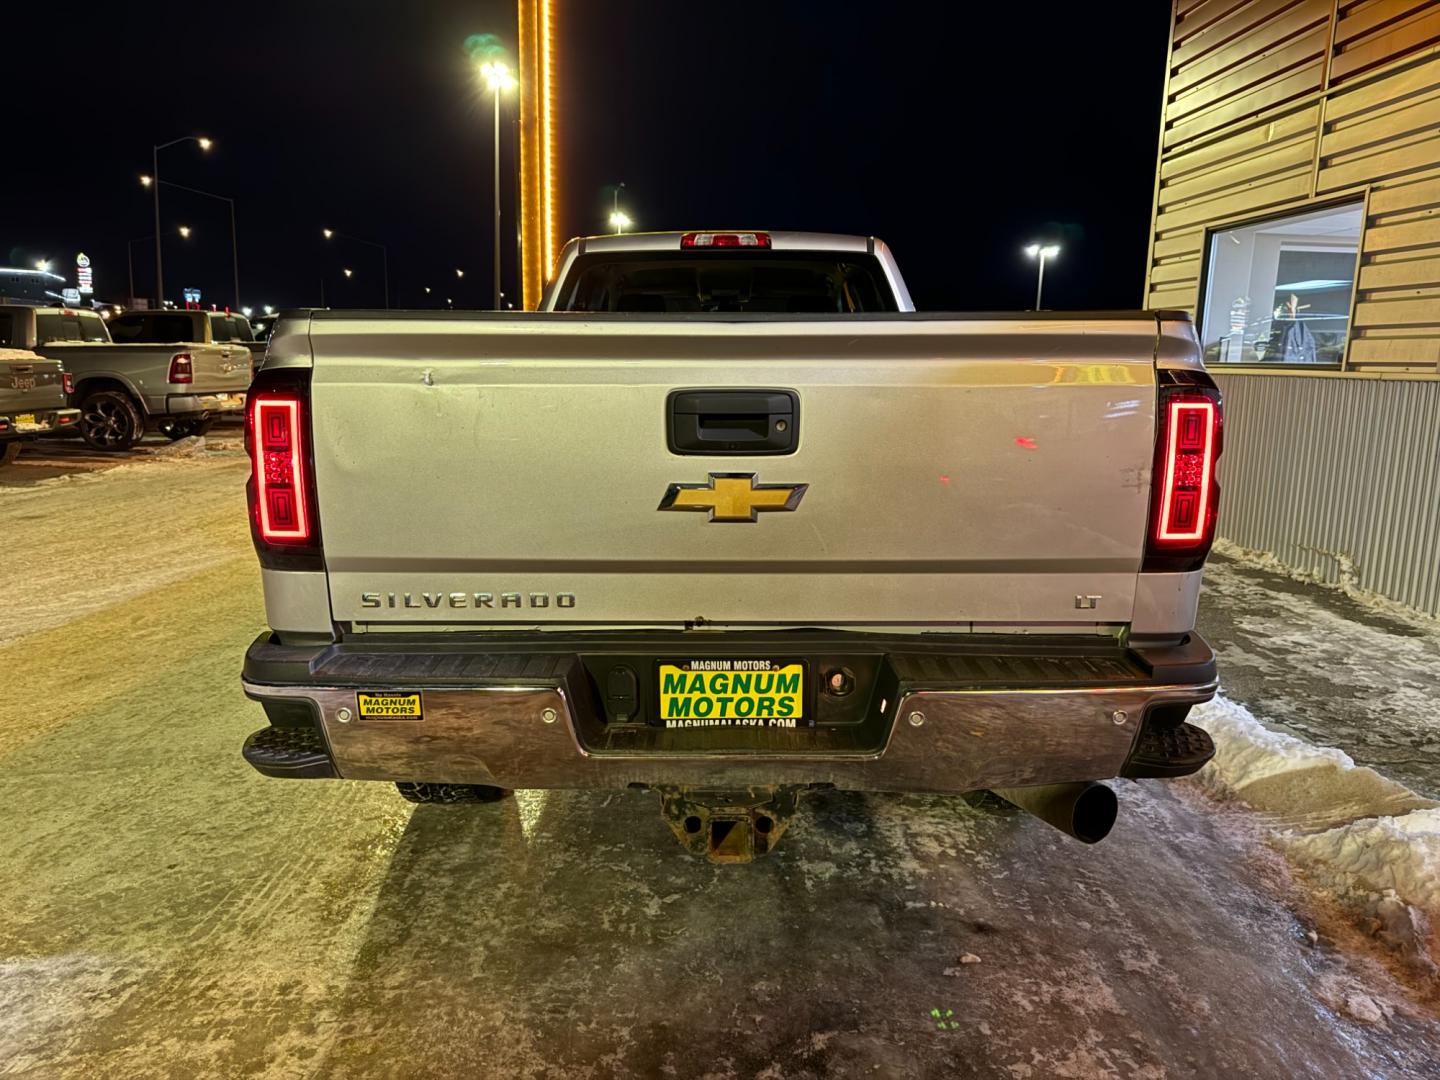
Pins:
x,y
388,705
732,693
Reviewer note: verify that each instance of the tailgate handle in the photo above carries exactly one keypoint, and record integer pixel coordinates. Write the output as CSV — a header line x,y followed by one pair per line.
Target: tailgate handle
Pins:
x,y
718,422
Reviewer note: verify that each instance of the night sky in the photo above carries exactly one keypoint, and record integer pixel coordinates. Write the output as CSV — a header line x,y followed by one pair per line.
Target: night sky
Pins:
x,y
957,132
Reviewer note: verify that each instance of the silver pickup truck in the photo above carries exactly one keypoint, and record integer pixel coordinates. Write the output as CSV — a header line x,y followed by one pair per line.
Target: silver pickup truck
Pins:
x,y
123,389
737,525
33,399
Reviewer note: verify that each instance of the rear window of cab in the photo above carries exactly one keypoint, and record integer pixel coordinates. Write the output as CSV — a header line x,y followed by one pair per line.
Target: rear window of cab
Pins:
x,y
70,326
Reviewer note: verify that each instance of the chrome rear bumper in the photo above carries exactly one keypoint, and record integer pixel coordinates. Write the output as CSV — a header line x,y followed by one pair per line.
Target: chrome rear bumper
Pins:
x,y
542,733
956,741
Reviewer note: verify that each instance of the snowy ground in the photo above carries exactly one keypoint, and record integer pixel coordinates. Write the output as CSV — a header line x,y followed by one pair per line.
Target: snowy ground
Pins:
x,y
1343,771
165,912
1335,672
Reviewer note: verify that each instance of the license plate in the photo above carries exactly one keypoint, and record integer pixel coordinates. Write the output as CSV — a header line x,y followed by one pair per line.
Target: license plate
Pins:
x,y
25,421
732,693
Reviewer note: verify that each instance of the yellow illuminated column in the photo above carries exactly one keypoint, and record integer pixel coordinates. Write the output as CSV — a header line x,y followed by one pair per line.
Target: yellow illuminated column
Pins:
x,y
539,229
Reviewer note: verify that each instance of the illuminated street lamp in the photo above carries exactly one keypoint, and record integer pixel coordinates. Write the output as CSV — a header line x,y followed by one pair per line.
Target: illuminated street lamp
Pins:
x,y
349,272
185,232
331,234
267,309
499,80
619,220
1041,252
154,185
42,264
459,273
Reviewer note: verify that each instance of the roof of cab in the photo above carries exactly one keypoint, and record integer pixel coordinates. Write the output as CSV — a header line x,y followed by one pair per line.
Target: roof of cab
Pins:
x,y
780,240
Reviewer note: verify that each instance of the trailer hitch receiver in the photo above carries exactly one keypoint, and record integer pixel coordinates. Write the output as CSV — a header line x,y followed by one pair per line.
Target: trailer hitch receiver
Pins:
x,y
729,826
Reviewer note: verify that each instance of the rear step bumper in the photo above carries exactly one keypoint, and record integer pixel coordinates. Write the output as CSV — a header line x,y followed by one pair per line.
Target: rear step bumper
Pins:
x,y
527,711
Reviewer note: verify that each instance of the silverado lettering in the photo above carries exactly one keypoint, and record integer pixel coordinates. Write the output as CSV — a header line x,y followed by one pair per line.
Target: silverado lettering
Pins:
x,y
462,600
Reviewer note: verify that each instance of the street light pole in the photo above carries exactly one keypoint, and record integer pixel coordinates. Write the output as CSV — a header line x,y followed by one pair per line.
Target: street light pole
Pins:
x,y
155,149
155,185
498,79
234,246
497,203
1041,252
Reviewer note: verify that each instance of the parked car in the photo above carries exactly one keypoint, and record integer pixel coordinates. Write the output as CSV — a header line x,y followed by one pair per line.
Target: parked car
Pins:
x,y
33,399
748,526
121,390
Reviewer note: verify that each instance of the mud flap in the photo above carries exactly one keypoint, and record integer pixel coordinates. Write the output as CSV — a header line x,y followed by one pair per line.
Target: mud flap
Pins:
x,y
729,826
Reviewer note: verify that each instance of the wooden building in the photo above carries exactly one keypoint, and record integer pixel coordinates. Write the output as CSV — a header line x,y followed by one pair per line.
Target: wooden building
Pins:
x,y
1297,214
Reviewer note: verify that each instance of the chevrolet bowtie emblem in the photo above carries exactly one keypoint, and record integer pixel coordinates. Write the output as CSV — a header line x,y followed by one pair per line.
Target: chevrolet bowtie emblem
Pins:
x,y
733,497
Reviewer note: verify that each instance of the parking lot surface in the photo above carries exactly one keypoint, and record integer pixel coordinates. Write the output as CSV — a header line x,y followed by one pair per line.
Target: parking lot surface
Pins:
x,y
166,912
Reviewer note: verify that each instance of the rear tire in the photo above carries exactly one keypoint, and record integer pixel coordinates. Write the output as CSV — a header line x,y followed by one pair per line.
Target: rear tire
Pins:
x,y
110,421
9,451
451,793
176,428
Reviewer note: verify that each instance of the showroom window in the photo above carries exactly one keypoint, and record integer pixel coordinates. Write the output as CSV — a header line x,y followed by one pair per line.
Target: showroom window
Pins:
x,y
1278,291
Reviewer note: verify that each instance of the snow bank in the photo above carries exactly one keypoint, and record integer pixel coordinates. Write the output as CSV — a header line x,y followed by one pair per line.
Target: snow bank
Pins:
x,y
1348,583
1389,869
1297,786
1370,843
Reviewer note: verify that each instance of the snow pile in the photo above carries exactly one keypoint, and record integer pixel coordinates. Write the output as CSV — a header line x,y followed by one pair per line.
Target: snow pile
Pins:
x,y
1348,583
1296,785
1389,867
186,447
1369,842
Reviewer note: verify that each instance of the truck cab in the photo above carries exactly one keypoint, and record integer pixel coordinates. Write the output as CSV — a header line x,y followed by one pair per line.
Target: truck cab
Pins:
x,y
176,326
778,272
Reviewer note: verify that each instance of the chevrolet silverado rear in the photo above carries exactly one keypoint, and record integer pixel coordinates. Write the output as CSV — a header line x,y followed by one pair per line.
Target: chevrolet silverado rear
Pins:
x,y
736,525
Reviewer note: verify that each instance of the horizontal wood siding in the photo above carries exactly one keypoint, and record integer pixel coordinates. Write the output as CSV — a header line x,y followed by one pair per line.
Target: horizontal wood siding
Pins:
x,y
1272,105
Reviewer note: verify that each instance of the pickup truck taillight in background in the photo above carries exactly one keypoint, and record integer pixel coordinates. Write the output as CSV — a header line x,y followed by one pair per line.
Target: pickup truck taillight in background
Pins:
x,y
182,370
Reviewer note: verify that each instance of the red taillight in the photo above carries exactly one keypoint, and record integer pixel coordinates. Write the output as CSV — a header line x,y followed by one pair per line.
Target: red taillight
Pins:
x,y
278,468
67,381
181,369
725,240
1184,493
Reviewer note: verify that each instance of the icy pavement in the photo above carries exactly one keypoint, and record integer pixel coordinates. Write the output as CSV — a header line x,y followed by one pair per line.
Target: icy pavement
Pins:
x,y
166,912
46,462
1318,664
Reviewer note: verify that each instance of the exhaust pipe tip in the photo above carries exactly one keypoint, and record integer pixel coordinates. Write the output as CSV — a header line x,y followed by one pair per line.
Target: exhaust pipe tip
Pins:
x,y
1085,811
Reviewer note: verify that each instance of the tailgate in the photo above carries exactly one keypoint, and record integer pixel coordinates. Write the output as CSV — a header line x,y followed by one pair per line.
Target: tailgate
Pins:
x,y
29,383
219,369
949,472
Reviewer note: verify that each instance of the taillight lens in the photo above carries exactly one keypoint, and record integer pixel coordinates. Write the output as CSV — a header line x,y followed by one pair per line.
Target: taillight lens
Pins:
x,y
279,467
1185,494
284,516
181,368
67,381
725,240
